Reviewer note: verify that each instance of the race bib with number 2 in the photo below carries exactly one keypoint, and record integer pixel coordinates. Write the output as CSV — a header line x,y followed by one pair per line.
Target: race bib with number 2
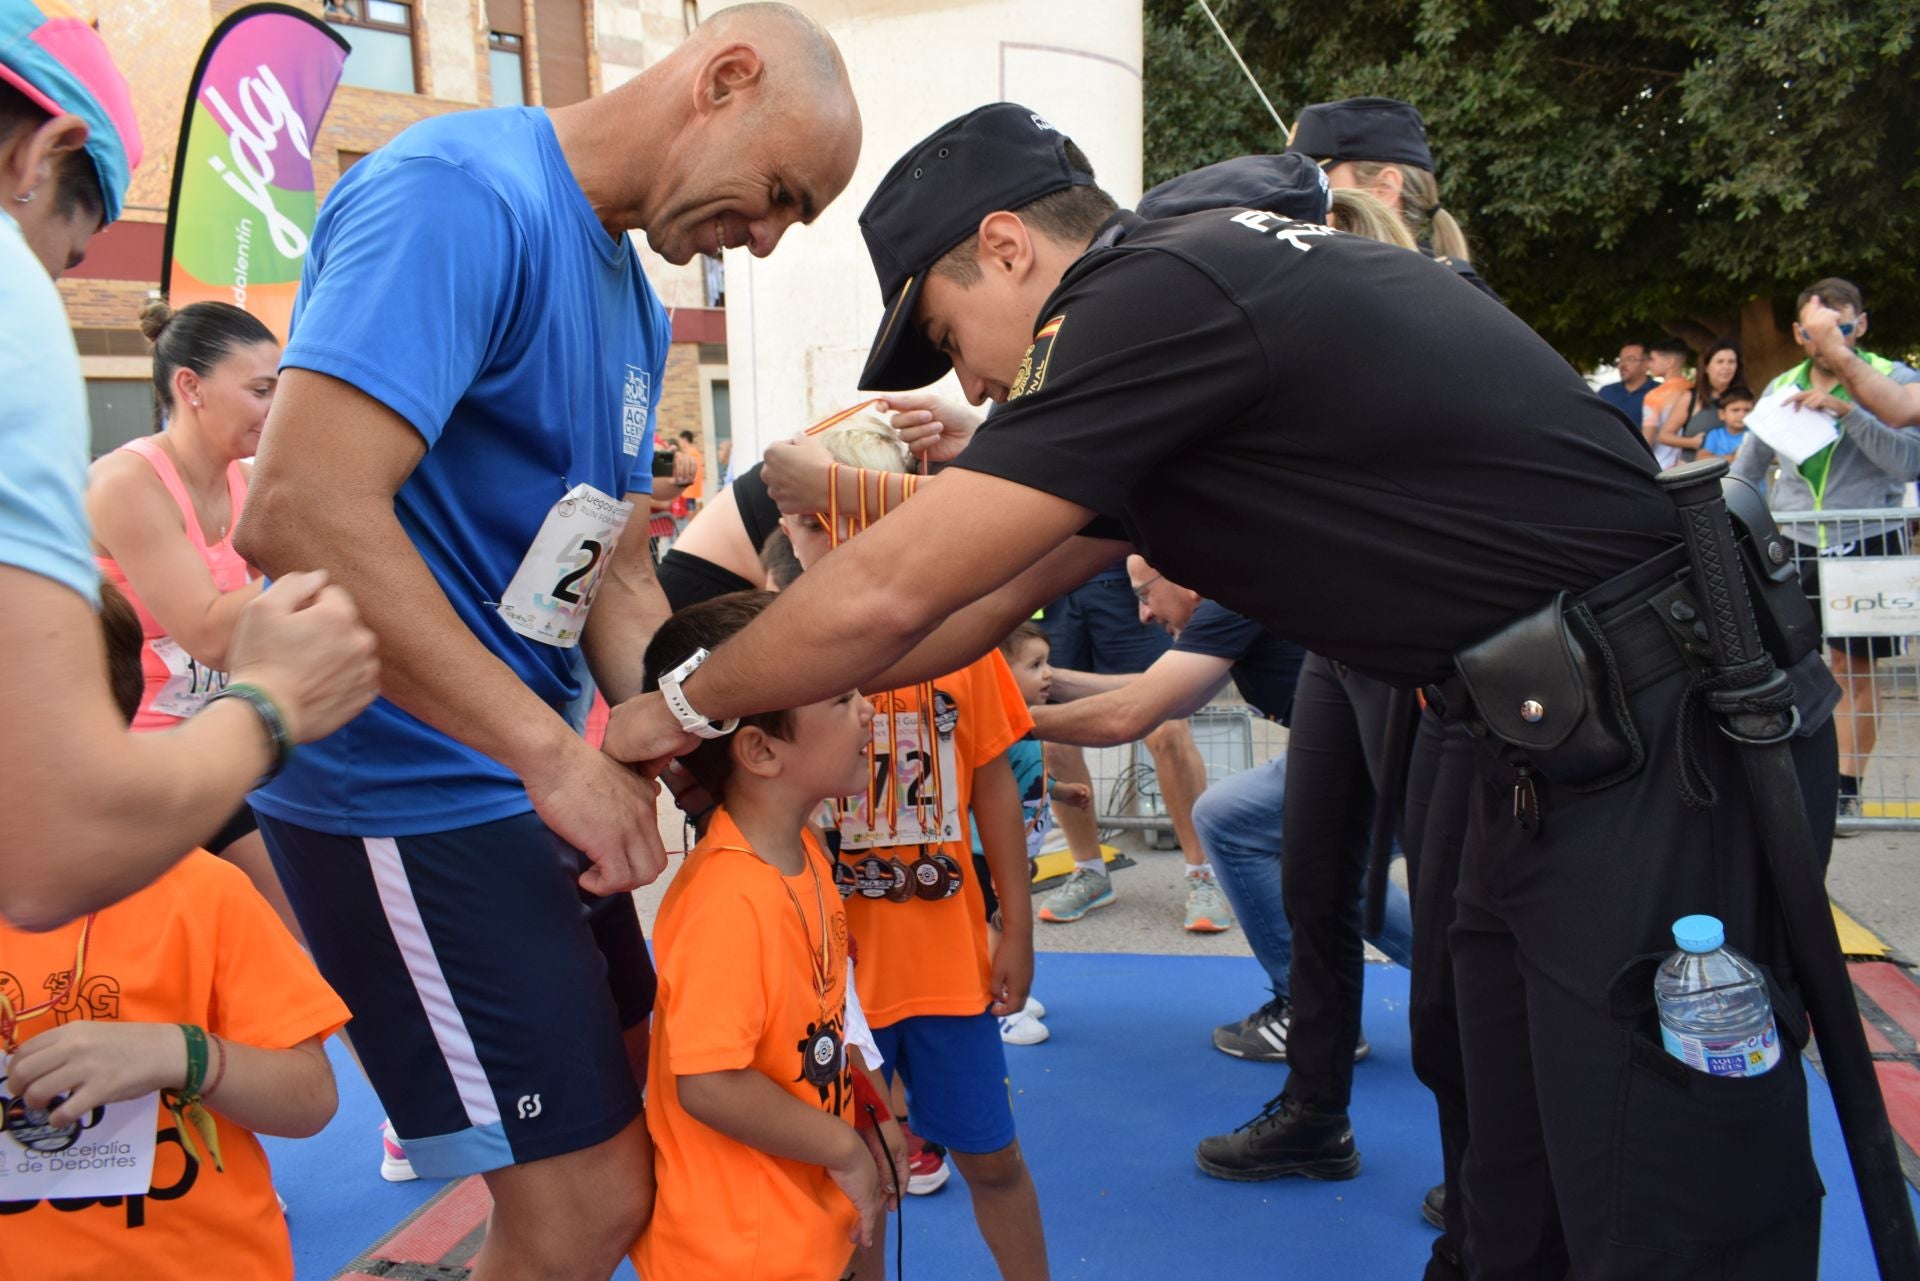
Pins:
x,y
552,591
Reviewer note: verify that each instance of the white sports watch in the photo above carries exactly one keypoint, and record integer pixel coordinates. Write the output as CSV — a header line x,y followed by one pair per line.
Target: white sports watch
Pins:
x,y
690,720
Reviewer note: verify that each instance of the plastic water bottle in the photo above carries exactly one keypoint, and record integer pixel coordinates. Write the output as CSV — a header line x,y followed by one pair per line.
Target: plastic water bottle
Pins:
x,y
1715,1015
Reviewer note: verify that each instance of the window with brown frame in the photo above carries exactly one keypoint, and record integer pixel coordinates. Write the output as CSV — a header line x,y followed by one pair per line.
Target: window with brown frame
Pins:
x,y
506,60
381,33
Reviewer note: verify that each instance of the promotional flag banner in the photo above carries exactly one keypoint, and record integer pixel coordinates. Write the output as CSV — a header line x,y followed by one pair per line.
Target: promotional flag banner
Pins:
x,y
243,201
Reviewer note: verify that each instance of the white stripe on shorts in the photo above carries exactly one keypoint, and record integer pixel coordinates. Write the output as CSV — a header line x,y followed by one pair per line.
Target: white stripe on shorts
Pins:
x,y
416,952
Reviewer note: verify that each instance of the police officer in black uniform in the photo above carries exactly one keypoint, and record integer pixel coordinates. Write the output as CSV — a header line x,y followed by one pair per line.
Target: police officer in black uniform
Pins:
x,y
1292,422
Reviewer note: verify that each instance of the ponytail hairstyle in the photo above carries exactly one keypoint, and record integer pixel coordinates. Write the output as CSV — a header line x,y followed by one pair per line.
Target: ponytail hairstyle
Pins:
x,y
197,337
1420,208
1361,213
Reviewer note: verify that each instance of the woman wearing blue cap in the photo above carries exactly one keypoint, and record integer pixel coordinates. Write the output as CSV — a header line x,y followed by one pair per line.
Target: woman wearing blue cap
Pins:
x,y
97,813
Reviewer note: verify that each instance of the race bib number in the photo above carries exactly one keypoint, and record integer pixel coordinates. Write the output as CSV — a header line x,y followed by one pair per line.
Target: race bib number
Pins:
x,y
190,683
552,591
108,1152
915,798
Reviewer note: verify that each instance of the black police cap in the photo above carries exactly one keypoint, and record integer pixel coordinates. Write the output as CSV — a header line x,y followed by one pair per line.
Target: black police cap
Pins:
x,y
1292,186
1001,156
1382,130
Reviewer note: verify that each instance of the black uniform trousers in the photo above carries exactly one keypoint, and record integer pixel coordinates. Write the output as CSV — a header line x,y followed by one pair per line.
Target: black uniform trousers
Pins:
x,y
1440,780
1593,1153
1335,744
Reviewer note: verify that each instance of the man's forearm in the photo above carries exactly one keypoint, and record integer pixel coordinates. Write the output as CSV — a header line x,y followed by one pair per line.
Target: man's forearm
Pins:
x,y
1069,685
626,613
432,666
1895,404
1104,721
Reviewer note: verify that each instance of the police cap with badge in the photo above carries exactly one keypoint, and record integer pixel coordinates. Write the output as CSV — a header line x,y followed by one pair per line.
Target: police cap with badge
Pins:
x,y
1000,156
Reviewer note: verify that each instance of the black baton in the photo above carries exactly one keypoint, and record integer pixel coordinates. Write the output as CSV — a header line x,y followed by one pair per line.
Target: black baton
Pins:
x,y
1757,713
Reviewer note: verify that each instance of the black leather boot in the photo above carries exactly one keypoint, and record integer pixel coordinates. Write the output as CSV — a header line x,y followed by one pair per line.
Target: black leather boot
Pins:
x,y
1288,1137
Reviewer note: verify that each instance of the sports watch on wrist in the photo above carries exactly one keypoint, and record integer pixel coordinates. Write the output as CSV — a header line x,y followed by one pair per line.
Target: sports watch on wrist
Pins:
x,y
690,720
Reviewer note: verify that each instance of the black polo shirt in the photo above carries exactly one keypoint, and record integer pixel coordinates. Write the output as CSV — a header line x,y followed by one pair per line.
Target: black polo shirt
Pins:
x,y
1342,440
1265,668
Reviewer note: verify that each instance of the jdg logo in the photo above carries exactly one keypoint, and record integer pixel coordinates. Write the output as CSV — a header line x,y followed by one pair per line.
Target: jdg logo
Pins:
x,y
249,168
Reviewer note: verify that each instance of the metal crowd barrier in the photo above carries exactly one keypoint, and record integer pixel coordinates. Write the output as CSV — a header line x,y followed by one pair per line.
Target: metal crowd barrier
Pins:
x,y
1869,600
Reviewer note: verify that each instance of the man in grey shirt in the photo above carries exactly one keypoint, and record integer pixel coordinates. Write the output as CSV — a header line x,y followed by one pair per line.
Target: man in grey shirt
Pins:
x,y
1867,467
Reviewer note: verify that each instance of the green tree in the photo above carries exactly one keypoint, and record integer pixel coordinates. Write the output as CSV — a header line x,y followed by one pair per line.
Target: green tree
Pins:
x,y
1619,165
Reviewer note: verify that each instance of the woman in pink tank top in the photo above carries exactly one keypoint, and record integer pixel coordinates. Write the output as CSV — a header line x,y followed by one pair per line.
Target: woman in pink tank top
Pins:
x,y
163,509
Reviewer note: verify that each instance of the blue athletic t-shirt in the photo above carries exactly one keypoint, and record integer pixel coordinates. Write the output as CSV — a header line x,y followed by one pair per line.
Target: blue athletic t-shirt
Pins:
x,y
1264,666
459,276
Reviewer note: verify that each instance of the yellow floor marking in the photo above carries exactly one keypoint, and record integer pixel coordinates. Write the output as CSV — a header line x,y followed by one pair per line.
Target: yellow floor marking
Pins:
x,y
1060,862
1855,938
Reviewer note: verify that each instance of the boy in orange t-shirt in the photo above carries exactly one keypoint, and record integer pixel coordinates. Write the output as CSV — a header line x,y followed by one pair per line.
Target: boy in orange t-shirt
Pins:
x,y
927,981
761,1174
99,1011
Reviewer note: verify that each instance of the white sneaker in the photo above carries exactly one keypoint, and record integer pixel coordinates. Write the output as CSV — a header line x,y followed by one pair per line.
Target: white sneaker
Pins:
x,y
1033,1009
1023,1029
394,1166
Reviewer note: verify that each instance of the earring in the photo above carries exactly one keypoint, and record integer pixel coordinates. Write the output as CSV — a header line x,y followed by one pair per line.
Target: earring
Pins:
x,y
24,200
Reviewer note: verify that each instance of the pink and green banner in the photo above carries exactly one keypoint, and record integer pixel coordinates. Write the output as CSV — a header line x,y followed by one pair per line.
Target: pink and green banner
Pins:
x,y
243,199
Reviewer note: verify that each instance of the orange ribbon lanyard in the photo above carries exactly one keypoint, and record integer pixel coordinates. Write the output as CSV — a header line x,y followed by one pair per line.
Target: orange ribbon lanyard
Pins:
x,y
11,1018
930,751
834,420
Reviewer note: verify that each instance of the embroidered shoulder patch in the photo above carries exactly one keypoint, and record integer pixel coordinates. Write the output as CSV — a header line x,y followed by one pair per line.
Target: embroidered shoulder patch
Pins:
x,y
1033,366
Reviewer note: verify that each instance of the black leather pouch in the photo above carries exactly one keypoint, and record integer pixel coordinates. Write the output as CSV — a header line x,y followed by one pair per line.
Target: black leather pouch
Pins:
x,y
1546,685
1788,627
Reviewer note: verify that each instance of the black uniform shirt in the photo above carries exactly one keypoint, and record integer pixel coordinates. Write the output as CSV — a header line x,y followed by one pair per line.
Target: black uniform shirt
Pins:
x,y
1265,668
1340,439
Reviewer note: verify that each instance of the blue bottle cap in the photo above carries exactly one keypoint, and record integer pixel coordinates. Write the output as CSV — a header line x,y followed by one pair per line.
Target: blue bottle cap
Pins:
x,y
1699,933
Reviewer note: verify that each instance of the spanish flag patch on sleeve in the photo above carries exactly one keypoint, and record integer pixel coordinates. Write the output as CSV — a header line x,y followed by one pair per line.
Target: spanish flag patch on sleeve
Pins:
x,y
1033,366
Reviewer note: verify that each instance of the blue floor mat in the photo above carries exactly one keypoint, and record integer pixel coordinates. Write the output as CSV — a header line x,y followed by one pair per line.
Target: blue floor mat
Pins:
x,y
1109,1110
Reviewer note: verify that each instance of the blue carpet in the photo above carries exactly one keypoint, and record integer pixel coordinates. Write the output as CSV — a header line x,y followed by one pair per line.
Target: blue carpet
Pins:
x,y
1109,1110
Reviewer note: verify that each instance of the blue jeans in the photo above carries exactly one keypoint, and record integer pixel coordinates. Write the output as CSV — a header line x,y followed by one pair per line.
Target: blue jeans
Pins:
x,y
1238,820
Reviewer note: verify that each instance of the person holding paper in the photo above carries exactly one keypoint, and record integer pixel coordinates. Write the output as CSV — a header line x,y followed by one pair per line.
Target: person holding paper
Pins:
x,y
1868,464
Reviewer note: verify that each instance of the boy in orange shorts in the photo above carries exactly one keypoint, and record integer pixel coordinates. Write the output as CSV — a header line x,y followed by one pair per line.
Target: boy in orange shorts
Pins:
x,y
191,987
927,981
760,1171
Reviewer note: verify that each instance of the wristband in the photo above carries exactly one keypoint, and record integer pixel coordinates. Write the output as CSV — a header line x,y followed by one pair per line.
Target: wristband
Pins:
x,y
219,1073
270,717
196,1059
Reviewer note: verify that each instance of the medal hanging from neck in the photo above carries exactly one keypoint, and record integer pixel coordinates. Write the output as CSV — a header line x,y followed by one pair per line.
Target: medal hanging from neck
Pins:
x,y
10,1018
821,1051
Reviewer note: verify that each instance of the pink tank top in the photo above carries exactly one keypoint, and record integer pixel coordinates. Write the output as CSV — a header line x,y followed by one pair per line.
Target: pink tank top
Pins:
x,y
178,686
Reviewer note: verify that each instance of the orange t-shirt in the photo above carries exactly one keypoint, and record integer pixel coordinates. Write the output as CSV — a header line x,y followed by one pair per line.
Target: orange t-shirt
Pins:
x,y
919,955
1654,407
698,489
201,946
738,990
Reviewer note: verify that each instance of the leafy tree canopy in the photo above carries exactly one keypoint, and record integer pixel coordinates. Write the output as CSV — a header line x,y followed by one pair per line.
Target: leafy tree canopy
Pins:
x,y
1620,166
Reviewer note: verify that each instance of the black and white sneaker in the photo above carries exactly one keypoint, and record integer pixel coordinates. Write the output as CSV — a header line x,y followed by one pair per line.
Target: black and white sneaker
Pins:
x,y
1262,1035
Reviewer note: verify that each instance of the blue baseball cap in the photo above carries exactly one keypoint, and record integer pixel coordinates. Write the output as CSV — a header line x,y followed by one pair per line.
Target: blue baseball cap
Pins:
x,y
50,53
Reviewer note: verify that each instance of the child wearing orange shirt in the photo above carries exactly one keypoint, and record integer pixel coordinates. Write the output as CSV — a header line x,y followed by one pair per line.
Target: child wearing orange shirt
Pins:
x,y
927,980
761,1174
193,975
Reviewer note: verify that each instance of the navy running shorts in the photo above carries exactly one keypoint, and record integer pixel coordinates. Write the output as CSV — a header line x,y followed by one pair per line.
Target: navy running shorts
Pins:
x,y
489,991
955,1067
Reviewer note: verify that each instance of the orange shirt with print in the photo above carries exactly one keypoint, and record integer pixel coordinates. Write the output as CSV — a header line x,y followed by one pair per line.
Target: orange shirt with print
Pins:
x,y
919,955
736,962
199,945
